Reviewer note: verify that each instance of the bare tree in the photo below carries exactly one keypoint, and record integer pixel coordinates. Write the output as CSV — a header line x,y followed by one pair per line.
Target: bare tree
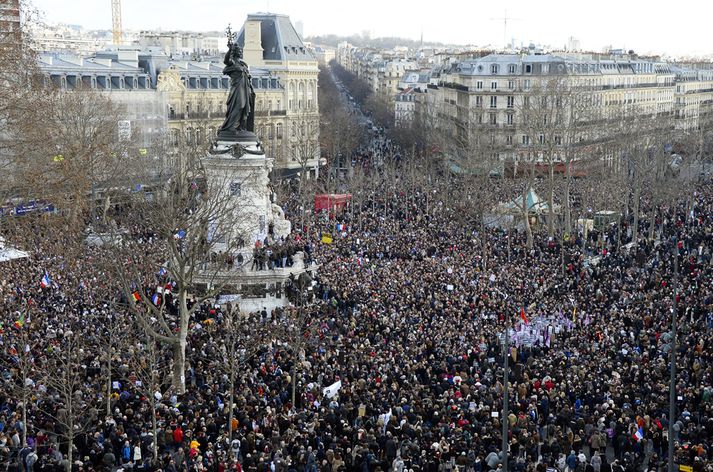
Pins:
x,y
186,226
152,380
245,336
65,396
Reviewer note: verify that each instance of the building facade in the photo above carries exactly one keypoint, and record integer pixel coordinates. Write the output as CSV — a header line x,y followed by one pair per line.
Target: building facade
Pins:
x,y
186,98
291,111
492,98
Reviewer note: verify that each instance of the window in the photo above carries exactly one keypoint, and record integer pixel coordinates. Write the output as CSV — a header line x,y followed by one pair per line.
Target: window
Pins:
x,y
511,101
479,101
542,139
509,118
525,139
526,85
526,101
493,85
479,85
508,139
479,118
512,69
494,101
235,188
278,128
528,68
511,84
493,118
494,69
558,140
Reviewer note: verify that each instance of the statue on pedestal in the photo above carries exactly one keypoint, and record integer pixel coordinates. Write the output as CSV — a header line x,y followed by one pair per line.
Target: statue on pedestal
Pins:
x,y
240,116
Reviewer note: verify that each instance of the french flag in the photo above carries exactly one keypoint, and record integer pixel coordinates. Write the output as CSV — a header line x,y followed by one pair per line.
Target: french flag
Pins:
x,y
162,272
156,299
639,434
45,282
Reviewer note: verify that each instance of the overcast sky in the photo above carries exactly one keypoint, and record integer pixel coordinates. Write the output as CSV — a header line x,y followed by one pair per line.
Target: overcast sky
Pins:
x,y
673,27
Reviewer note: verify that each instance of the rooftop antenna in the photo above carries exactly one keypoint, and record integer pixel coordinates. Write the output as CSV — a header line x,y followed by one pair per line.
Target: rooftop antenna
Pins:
x,y
505,20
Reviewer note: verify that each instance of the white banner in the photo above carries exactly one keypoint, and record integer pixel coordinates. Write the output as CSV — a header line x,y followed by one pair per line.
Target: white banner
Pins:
x,y
332,390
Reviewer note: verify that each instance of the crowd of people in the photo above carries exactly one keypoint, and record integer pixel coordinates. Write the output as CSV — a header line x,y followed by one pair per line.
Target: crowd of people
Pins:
x,y
396,364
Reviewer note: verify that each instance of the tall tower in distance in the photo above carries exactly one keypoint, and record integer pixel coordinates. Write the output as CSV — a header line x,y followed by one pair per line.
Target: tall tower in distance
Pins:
x,y
116,21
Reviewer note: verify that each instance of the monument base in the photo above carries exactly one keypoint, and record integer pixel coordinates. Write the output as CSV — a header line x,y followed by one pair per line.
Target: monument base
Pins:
x,y
239,166
236,135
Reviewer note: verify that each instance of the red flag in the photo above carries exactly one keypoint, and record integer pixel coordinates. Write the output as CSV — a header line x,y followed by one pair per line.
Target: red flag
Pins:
x,y
136,296
522,315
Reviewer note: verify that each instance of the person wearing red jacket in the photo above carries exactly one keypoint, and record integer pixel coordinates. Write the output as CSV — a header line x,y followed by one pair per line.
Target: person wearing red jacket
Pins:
x,y
178,435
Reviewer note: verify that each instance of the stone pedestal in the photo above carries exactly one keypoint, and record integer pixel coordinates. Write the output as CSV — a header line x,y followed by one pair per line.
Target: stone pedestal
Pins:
x,y
240,170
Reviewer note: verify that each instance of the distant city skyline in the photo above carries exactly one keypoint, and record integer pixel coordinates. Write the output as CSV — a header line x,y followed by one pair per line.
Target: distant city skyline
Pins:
x,y
678,30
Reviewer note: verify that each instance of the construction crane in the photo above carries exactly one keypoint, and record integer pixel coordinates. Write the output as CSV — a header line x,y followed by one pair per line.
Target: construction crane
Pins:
x,y
116,21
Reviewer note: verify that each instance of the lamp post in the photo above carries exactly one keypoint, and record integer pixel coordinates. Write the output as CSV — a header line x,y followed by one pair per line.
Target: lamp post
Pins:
x,y
672,380
506,394
506,383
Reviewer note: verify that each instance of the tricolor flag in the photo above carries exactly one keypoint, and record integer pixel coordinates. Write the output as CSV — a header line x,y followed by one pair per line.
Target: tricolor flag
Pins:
x,y
522,315
162,272
156,299
45,282
639,434
136,296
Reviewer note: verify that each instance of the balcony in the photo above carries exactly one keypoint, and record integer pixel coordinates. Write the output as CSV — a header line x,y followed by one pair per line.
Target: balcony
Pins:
x,y
270,112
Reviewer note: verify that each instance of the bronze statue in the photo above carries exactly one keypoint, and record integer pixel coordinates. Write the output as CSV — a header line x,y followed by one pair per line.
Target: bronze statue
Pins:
x,y
240,116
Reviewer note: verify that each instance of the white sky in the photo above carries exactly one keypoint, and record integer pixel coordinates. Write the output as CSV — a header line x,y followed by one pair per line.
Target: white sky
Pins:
x,y
673,27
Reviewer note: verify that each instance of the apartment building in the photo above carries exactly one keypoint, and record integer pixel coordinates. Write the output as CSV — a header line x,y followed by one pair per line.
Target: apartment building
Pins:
x,y
694,96
489,96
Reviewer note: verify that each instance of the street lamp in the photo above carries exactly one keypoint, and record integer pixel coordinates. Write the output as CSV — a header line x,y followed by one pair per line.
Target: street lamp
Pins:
x,y
506,383
672,380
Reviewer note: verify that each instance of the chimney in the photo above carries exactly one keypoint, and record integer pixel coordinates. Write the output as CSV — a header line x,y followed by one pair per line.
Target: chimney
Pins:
x,y
252,50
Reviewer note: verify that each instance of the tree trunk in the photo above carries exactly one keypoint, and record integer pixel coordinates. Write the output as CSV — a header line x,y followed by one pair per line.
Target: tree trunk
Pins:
x,y
24,411
551,203
526,216
483,243
231,398
567,207
179,366
179,348
636,203
154,427
70,445
108,381
294,383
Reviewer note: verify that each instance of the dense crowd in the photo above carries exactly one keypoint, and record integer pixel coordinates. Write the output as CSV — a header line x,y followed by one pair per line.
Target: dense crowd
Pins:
x,y
405,334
